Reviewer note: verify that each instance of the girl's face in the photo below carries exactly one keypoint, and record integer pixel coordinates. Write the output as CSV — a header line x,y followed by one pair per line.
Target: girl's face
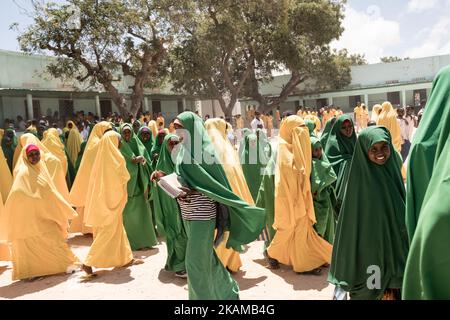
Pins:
x,y
317,153
127,135
34,157
379,153
347,129
145,136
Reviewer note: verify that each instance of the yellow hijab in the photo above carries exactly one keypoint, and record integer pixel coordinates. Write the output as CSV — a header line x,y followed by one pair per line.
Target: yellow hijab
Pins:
x,y
229,159
153,128
53,164
66,128
81,183
73,143
388,118
376,112
34,204
296,243
53,143
107,193
5,177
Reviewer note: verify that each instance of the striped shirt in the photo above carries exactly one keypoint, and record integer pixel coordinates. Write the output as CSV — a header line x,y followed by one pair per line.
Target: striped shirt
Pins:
x,y
197,207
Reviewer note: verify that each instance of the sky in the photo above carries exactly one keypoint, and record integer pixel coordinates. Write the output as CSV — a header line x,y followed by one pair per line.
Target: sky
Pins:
x,y
375,28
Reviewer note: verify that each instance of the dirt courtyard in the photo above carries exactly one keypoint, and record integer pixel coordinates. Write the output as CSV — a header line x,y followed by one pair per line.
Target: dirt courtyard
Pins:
x,y
150,281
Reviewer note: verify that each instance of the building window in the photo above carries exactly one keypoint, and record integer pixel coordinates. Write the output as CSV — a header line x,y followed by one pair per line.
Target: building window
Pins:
x,y
65,109
394,98
105,108
156,106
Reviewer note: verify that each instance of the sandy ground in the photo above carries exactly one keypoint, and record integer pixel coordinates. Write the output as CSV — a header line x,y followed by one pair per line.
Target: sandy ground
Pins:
x,y
151,281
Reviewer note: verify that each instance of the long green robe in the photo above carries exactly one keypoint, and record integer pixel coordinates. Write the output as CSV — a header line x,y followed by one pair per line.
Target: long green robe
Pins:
x,y
339,151
198,165
266,199
254,158
326,132
427,274
137,215
371,237
8,151
168,216
427,147
156,149
322,179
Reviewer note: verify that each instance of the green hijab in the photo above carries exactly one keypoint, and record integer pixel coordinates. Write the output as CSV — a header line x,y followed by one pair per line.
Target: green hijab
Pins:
x,y
147,144
427,147
326,132
371,229
139,174
339,151
156,148
8,151
322,179
167,212
427,273
244,133
311,126
198,164
254,160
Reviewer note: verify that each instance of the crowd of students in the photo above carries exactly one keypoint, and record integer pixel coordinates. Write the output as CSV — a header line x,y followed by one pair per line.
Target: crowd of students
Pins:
x,y
332,198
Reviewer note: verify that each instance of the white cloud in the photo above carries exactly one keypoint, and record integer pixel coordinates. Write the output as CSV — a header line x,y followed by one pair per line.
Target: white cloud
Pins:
x,y
436,41
419,6
368,33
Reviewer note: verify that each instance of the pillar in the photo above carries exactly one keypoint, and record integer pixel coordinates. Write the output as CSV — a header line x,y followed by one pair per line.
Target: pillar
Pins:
x,y
366,101
403,100
30,106
97,106
146,106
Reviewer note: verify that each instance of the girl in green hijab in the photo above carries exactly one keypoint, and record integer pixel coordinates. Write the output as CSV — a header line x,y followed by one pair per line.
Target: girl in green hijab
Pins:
x,y
326,132
427,274
167,212
322,179
311,127
339,151
146,137
208,194
254,158
137,215
371,243
9,144
156,148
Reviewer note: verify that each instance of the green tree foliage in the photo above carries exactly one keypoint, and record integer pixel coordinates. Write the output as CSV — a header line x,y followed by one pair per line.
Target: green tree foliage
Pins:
x,y
101,42
230,47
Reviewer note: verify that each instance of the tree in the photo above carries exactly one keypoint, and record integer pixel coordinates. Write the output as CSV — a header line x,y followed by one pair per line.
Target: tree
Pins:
x,y
233,46
392,59
103,42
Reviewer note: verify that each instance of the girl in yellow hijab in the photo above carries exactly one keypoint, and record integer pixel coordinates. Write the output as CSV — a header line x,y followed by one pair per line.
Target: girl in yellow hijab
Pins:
x,y
35,219
106,198
388,119
5,176
376,112
217,131
83,177
53,143
53,164
73,144
296,243
153,127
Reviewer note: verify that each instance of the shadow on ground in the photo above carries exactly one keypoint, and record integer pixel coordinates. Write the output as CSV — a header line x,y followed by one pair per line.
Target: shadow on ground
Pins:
x,y
299,282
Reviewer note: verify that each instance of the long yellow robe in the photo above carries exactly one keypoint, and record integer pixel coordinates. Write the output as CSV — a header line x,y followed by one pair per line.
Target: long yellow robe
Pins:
x,y
296,243
74,142
106,198
53,143
5,254
388,118
375,112
84,176
153,128
5,176
229,159
35,219
52,162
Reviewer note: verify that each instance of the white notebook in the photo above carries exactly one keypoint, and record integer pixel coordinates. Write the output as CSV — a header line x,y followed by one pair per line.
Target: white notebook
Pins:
x,y
171,184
